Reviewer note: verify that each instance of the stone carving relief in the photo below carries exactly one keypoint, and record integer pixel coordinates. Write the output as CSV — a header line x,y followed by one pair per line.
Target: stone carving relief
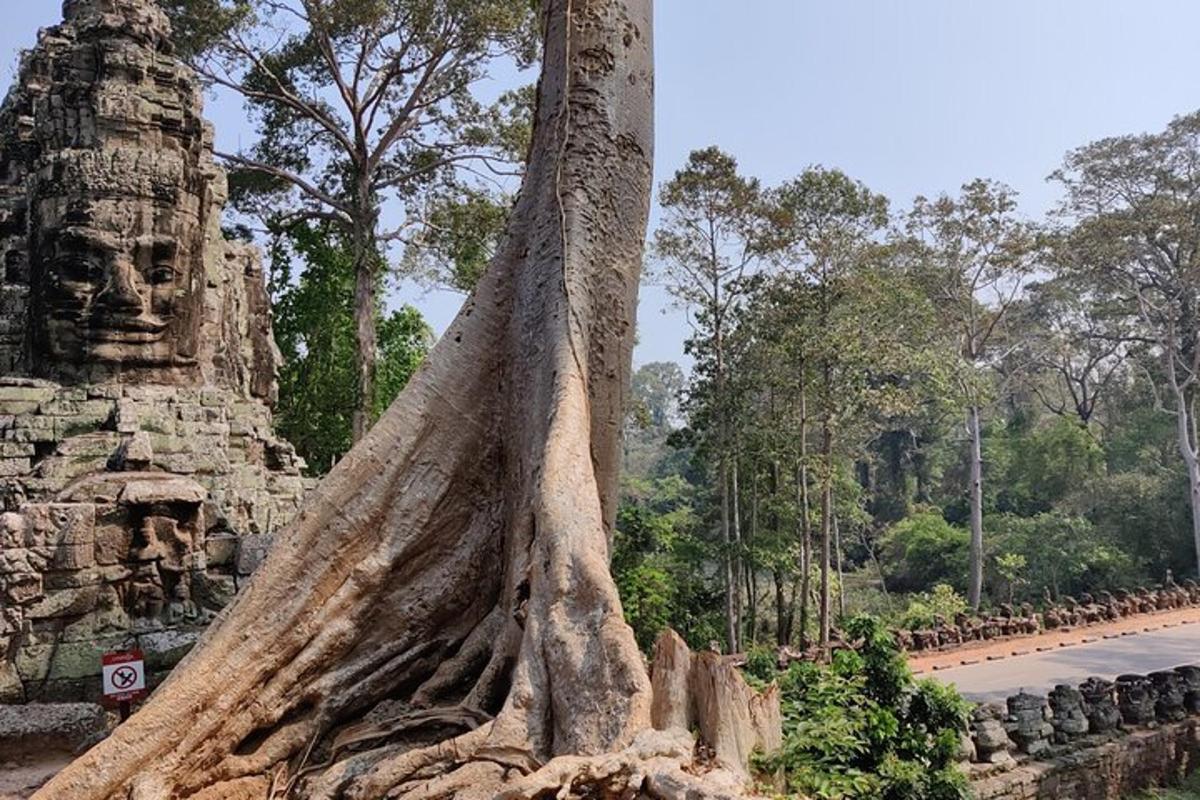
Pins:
x,y
139,476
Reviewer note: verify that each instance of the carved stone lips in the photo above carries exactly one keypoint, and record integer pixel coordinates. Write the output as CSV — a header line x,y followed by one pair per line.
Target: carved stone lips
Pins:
x,y
131,330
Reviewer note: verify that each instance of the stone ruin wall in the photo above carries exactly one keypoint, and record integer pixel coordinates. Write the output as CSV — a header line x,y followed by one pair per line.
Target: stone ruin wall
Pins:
x,y
140,480
965,632
1101,740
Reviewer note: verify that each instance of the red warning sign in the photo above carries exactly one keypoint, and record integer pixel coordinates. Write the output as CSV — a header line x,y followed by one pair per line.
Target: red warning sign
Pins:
x,y
124,675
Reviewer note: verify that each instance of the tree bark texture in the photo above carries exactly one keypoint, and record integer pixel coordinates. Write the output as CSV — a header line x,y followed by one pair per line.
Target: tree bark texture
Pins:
x,y
365,339
826,528
731,581
975,579
439,620
1185,435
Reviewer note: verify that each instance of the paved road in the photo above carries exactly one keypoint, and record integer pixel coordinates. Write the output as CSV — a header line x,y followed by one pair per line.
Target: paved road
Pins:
x,y
1108,658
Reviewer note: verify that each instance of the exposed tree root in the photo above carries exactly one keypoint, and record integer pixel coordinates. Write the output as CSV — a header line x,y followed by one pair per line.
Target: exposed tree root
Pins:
x,y
440,621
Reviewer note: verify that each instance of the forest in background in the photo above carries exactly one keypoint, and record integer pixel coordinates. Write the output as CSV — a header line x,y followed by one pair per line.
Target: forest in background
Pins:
x,y
873,385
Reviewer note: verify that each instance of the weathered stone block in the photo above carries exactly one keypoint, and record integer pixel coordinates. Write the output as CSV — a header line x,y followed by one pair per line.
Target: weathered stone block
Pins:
x,y
33,429
22,588
99,445
111,391
22,560
251,552
72,726
165,649
64,603
213,397
83,411
213,591
66,660
71,557
192,430
113,543
152,394
27,394
74,578
14,467
58,524
12,530
18,407
221,549
169,490
11,688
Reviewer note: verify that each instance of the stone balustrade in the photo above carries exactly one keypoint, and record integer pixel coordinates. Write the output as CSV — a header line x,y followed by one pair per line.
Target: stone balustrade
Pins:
x,y
1028,726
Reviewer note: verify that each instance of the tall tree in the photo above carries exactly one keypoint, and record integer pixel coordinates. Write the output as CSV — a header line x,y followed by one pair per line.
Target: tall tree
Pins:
x,y
1073,344
314,326
824,224
774,335
704,250
654,413
444,600
357,105
975,254
1134,202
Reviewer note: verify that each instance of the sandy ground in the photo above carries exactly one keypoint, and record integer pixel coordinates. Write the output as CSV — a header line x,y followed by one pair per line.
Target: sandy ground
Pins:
x,y
995,650
21,775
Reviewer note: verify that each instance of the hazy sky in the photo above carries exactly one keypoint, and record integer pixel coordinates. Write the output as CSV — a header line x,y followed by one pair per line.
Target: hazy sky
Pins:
x,y
910,96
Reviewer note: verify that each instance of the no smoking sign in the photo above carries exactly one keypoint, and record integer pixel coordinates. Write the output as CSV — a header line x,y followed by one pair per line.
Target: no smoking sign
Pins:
x,y
124,675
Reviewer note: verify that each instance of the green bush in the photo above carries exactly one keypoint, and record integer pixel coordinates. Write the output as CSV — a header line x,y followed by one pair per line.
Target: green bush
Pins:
x,y
862,728
924,550
943,601
1062,552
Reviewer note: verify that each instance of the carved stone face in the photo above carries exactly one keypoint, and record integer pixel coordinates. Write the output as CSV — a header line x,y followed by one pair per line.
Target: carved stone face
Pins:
x,y
116,281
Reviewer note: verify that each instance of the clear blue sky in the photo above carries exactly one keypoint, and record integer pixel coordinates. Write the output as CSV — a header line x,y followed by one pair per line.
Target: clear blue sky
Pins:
x,y
910,96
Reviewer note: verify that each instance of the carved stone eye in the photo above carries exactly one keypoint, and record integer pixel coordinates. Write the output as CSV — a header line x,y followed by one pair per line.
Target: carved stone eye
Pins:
x,y
161,275
77,268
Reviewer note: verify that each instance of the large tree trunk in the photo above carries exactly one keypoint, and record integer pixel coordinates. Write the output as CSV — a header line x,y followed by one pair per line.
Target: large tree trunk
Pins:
x,y
366,300
1185,436
735,504
975,579
805,521
440,616
731,580
841,576
826,527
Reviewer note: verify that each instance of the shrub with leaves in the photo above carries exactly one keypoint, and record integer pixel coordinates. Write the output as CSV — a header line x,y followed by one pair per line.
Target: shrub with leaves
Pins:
x,y
923,608
862,727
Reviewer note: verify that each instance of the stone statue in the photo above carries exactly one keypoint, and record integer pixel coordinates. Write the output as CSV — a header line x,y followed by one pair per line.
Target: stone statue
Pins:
x,y
1190,676
1031,623
968,627
110,210
137,362
1100,705
1028,723
1169,695
1193,591
948,635
1069,718
992,745
1136,699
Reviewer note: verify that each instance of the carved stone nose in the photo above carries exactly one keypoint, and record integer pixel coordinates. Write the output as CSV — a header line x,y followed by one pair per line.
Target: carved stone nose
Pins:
x,y
123,289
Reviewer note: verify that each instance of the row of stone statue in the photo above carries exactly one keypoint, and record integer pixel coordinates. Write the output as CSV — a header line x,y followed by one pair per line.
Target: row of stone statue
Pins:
x,y
1065,614
1032,725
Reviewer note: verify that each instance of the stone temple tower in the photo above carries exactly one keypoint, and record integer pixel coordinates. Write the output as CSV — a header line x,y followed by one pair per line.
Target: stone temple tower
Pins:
x,y
139,477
